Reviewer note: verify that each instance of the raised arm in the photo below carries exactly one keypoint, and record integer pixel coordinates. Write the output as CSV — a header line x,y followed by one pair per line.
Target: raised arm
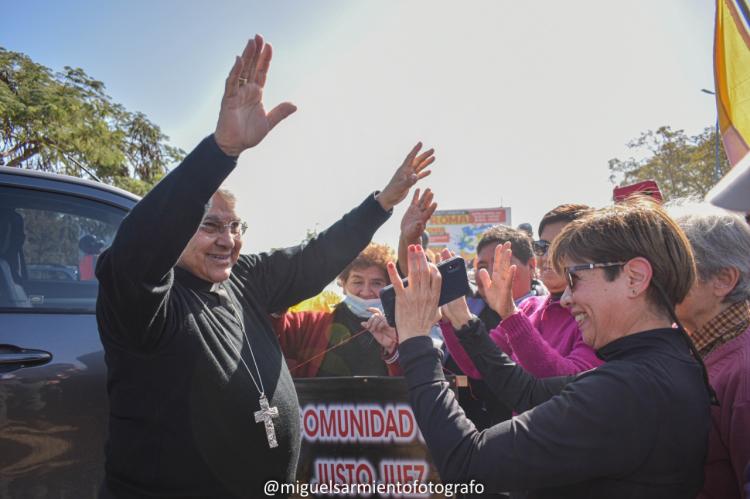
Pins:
x,y
536,355
413,224
529,347
498,288
455,315
565,438
411,171
135,273
288,276
510,383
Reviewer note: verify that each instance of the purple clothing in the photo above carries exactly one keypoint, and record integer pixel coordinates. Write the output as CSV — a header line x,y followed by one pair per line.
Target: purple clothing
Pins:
x,y
542,337
729,440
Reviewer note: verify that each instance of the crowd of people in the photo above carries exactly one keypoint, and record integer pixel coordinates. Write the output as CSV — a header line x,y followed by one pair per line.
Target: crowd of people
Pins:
x,y
608,358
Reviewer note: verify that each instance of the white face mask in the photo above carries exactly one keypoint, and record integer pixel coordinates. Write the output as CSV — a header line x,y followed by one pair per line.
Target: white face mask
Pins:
x,y
358,306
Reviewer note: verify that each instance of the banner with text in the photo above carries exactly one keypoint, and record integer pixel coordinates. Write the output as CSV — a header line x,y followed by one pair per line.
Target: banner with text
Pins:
x,y
460,230
361,430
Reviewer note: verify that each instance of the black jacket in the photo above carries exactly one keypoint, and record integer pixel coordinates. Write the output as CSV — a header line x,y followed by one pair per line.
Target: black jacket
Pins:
x,y
635,427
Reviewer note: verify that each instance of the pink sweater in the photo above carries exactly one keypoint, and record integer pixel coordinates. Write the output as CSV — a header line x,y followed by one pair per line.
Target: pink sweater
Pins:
x,y
729,439
543,338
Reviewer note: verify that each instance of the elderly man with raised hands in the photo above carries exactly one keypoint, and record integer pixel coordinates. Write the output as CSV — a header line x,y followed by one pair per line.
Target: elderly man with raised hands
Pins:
x,y
716,313
201,401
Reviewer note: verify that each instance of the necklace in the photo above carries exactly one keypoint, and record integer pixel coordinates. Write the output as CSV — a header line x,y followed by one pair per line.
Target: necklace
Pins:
x,y
266,412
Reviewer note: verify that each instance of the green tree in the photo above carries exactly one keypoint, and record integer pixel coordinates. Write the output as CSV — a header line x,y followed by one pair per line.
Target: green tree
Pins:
x,y
682,165
64,122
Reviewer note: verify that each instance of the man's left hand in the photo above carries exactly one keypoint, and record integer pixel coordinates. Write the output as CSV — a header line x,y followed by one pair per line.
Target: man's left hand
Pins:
x,y
409,173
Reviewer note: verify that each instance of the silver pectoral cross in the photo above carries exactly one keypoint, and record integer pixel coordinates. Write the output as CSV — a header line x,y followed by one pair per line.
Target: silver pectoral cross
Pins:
x,y
264,415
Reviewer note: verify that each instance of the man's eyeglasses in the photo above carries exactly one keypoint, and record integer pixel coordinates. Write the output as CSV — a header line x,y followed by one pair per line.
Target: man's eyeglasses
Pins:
x,y
236,227
541,247
570,272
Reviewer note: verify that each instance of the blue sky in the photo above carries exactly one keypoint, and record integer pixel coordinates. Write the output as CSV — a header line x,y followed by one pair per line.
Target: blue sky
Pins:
x,y
524,101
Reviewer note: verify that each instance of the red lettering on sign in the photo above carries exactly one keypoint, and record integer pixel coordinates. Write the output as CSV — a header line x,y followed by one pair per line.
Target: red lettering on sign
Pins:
x,y
343,471
376,417
403,471
406,421
328,422
358,423
310,423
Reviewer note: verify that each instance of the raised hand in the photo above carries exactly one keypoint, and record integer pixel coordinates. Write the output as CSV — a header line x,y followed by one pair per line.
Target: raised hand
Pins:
x,y
384,334
413,224
416,305
498,290
243,121
410,171
416,216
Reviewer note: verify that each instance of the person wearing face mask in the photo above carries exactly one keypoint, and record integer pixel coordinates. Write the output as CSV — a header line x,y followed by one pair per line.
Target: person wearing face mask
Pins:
x,y
352,340
201,403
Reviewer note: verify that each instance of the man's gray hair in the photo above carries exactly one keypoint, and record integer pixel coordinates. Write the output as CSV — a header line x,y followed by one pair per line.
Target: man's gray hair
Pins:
x,y
226,194
720,240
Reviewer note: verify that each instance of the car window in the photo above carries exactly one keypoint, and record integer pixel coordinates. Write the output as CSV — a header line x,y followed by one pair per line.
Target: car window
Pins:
x,y
49,244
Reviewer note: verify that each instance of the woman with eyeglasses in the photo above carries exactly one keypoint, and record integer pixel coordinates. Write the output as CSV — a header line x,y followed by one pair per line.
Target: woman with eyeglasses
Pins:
x,y
636,426
539,334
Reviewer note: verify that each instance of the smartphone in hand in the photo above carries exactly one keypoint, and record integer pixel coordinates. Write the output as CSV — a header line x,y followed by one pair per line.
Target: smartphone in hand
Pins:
x,y
455,284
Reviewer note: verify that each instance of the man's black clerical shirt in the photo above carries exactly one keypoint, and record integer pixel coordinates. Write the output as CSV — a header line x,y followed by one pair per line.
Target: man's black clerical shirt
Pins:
x,y
182,403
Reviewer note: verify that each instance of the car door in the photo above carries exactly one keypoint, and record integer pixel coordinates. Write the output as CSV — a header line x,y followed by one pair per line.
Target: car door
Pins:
x,y
52,375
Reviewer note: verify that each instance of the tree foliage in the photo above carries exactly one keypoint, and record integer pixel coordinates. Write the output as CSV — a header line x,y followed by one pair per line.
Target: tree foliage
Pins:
x,y
64,122
682,165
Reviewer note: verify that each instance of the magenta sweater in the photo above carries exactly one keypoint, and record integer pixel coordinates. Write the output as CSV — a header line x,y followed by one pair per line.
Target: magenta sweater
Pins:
x,y
542,337
729,439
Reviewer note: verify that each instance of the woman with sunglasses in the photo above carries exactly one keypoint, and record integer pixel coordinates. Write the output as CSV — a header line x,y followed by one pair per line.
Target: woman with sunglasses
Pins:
x,y
539,334
636,426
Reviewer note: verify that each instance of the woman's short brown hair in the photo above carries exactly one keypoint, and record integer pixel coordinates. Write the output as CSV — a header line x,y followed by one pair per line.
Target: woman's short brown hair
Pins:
x,y
638,227
377,255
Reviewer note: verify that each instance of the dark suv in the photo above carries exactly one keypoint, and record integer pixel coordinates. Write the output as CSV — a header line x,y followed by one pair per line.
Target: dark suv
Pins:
x,y
52,375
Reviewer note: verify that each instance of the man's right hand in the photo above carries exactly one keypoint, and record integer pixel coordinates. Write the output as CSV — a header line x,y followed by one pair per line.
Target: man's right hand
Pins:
x,y
243,121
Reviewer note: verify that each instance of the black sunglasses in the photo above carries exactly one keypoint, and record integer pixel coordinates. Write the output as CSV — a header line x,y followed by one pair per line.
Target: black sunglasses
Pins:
x,y
570,272
541,247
